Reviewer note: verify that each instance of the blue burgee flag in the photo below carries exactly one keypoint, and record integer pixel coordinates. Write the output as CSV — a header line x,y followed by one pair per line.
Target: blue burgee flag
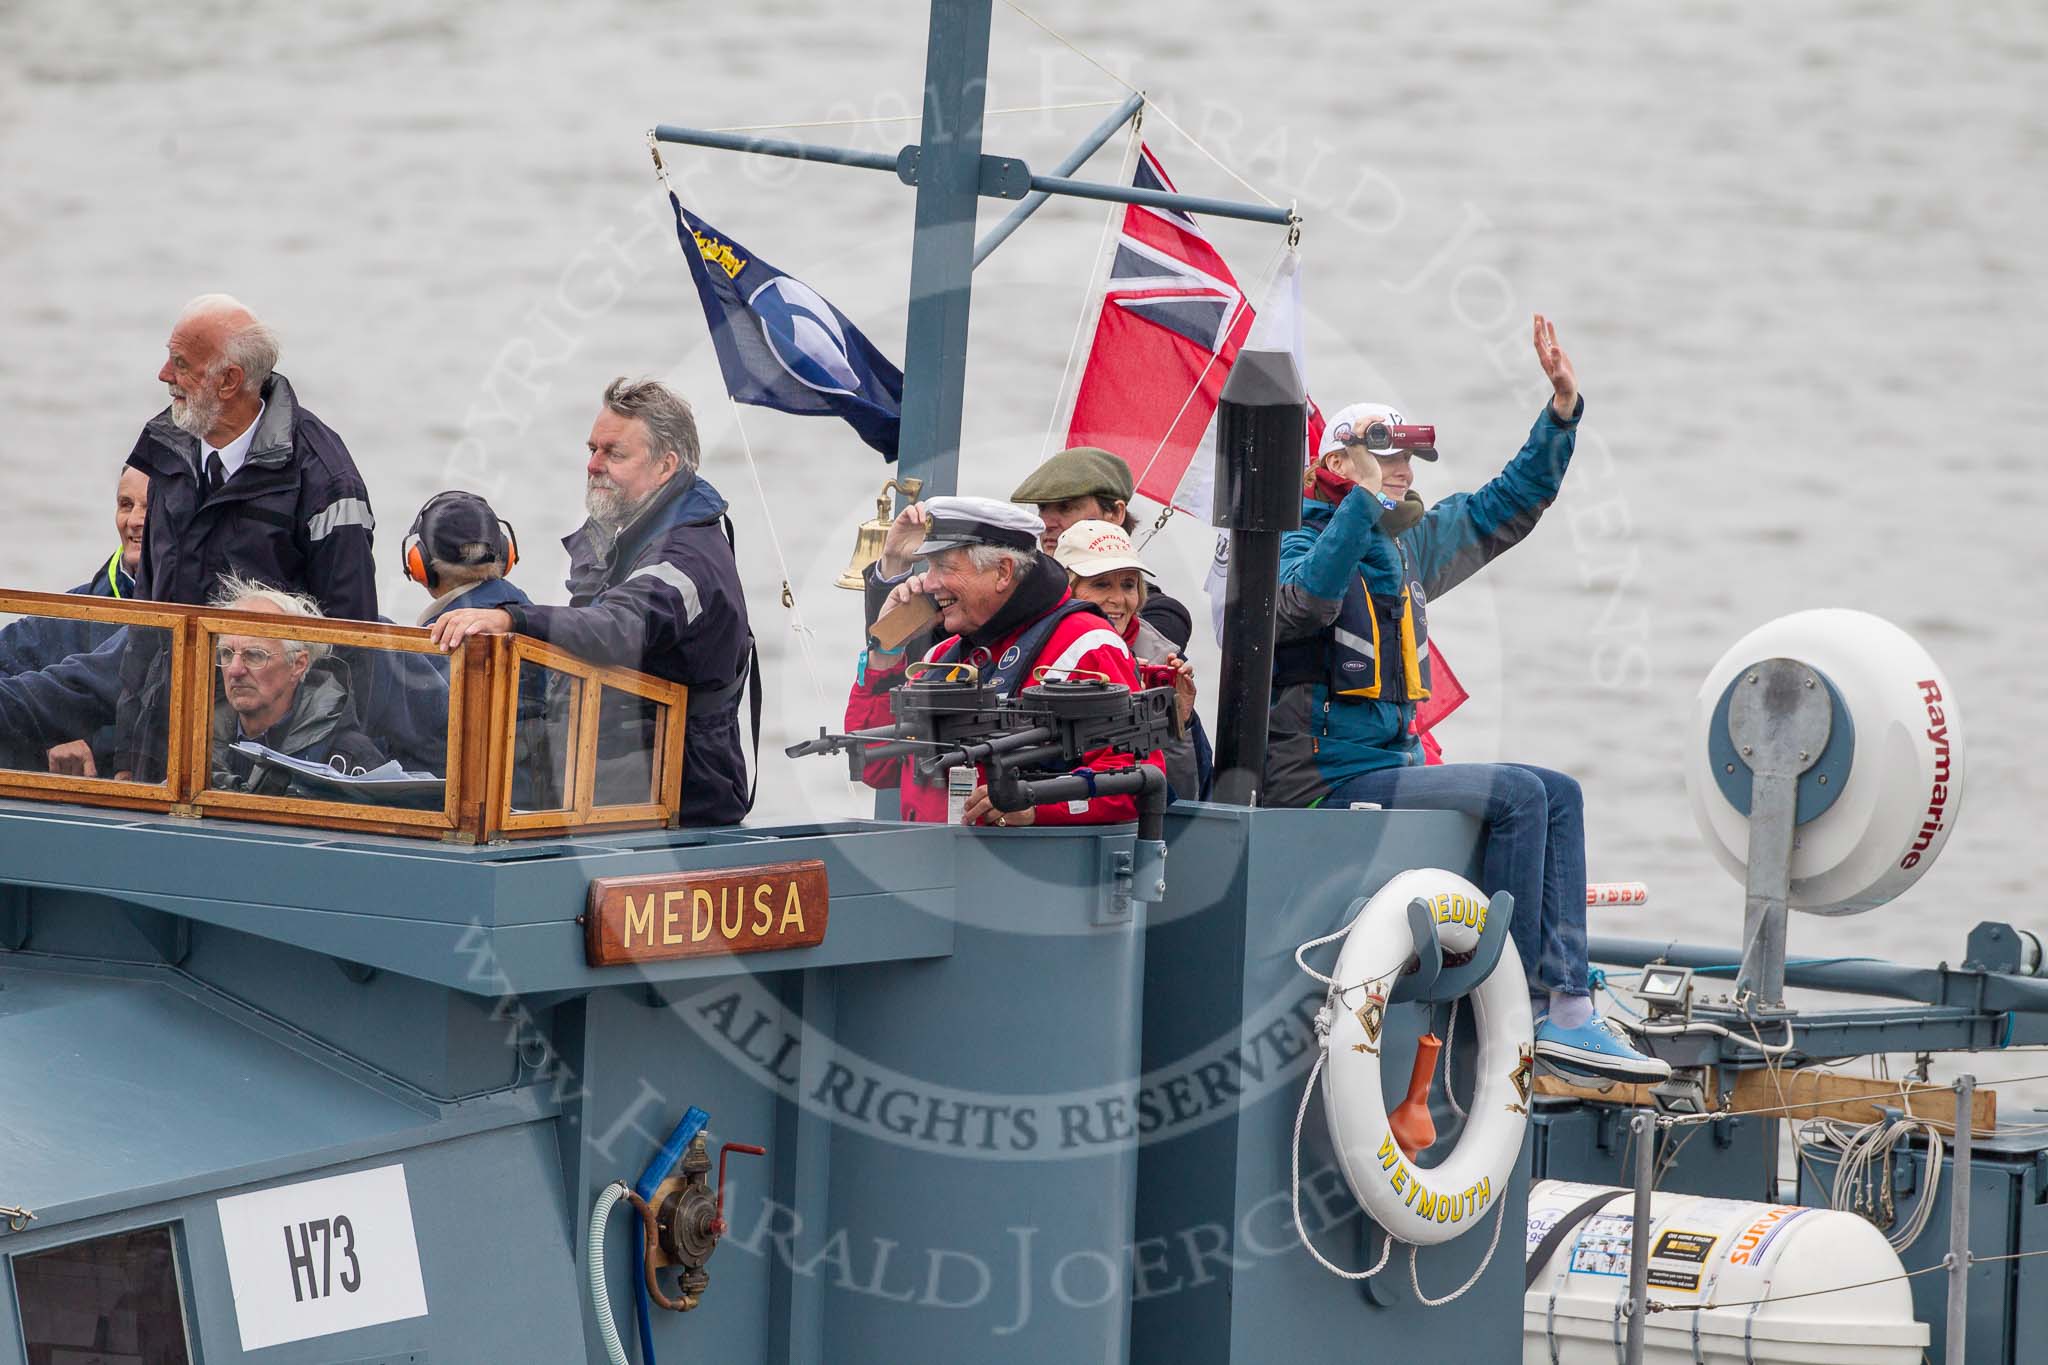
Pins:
x,y
781,345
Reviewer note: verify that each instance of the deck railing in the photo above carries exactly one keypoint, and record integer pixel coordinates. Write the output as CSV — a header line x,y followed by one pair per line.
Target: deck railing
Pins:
x,y
534,739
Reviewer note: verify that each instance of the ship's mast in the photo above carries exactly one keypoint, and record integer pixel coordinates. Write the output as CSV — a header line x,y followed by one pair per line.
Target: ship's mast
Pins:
x,y
942,250
951,175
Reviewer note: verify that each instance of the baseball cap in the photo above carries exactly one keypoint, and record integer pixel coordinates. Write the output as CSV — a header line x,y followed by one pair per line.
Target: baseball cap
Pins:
x,y
1088,548
956,521
452,520
1349,425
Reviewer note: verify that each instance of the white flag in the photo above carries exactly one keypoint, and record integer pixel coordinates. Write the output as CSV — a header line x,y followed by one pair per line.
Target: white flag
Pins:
x,y
1280,326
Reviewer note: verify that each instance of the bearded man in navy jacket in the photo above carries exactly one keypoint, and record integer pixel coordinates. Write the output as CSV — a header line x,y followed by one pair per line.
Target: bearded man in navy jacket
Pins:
x,y
653,585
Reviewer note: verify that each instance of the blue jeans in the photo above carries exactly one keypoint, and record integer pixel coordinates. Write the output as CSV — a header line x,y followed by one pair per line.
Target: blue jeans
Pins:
x,y
1535,850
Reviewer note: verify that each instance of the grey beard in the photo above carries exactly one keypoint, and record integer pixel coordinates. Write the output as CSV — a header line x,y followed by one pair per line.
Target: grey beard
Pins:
x,y
201,412
609,509
605,505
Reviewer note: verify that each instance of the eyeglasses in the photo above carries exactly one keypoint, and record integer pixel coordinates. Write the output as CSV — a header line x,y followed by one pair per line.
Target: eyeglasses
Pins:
x,y
252,657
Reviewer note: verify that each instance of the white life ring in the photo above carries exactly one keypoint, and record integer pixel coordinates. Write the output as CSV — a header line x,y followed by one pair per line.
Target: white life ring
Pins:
x,y
1416,1204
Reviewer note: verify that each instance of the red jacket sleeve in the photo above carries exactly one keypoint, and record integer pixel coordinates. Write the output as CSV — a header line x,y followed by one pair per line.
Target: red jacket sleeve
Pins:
x,y
867,706
1093,648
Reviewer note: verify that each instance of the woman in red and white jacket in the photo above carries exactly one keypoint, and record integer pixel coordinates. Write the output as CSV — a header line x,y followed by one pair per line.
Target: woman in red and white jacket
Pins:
x,y
1005,608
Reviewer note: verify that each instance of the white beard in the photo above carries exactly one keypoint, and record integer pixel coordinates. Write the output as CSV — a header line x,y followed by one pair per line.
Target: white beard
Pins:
x,y
196,413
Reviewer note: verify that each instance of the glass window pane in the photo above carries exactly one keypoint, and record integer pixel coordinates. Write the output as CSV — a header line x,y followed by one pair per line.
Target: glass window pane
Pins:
x,y
544,740
628,748
60,689
347,723
112,1299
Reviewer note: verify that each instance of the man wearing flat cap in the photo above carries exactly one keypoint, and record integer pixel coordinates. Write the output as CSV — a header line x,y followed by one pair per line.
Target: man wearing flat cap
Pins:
x,y
1082,484
1088,483
1004,608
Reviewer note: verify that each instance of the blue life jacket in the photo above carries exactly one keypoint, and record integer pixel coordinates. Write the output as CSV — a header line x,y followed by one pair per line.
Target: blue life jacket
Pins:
x,y
1011,670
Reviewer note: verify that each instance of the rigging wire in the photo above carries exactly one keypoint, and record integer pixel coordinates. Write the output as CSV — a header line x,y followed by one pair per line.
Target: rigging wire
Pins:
x,y
804,633
909,118
1659,1306
1267,274
1088,300
1905,1096
1774,1066
1074,48
1293,238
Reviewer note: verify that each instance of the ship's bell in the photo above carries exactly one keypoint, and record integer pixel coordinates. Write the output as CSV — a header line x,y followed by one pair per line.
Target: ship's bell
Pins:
x,y
867,544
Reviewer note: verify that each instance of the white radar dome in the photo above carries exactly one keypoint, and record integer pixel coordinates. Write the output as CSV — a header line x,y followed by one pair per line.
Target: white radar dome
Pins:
x,y
1879,802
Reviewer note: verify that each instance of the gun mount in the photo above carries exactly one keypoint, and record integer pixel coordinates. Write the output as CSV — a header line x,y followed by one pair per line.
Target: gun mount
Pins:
x,y
1033,748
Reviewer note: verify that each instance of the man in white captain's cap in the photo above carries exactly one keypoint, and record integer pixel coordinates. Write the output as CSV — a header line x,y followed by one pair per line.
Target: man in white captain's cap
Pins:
x,y
1005,610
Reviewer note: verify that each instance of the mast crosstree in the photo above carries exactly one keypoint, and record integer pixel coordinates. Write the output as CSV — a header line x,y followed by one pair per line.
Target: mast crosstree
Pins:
x,y
952,175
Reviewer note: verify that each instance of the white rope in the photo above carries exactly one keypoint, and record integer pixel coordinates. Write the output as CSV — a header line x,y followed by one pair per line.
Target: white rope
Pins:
x,y
1322,1026
1091,302
1338,990
1857,1190
1498,1218
1294,1187
1302,962
1387,1247
909,118
1451,1032
1072,47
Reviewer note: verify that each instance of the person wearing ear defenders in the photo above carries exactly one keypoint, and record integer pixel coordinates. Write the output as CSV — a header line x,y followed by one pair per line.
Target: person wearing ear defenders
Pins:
x,y
461,551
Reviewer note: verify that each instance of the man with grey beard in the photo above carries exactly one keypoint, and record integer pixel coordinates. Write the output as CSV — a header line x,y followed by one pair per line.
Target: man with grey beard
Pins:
x,y
653,586
243,483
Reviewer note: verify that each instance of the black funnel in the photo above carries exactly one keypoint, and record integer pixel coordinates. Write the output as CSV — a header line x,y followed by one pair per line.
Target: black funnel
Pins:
x,y
1261,436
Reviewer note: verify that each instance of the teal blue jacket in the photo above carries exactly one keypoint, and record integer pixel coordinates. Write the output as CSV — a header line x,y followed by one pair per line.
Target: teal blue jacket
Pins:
x,y
1317,742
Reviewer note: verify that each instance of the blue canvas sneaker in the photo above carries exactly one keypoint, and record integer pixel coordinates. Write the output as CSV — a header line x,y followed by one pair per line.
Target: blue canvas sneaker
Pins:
x,y
1596,1048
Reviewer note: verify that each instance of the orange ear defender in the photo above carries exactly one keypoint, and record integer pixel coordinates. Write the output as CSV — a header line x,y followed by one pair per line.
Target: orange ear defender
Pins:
x,y
475,523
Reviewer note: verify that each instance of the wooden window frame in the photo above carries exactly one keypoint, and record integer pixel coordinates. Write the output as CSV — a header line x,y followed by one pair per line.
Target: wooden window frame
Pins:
x,y
166,795
482,713
326,814
582,812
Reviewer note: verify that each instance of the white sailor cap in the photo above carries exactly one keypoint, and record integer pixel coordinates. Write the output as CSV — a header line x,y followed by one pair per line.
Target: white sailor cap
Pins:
x,y
979,521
